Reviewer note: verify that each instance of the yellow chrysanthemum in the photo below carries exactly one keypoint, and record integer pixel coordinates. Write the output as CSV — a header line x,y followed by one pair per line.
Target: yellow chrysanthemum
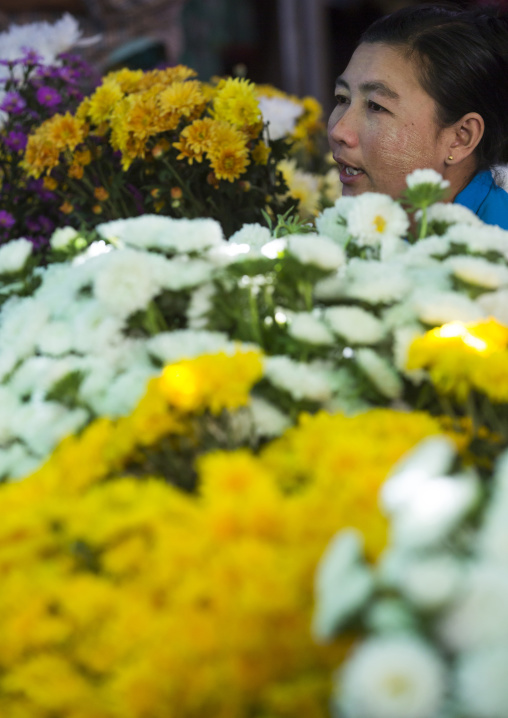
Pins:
x,y
65,131
128,80
103,100
230,162
40,155
235,101
463,357
138,597
183,99
261,153
303,187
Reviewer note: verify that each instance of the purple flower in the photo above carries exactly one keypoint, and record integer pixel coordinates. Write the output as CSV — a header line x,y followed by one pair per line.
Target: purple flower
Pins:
x,y
15,141
13,103
6,219
30,57
48,96
46,225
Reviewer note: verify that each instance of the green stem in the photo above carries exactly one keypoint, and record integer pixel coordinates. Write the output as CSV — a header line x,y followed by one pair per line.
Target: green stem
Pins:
x,y
254,317
423,225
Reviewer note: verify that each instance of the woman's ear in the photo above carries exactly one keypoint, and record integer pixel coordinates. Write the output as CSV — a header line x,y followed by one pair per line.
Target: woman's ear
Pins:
x,y
466,136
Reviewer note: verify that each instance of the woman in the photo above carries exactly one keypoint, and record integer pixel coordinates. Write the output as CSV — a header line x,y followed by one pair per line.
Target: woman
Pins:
x,y
426,87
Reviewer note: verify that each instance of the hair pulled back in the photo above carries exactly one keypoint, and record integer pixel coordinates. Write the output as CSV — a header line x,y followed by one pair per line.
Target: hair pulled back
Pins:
x,y
461,57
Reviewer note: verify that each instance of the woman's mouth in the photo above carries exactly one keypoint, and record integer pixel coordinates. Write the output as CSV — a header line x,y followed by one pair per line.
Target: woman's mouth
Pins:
x,y
348,173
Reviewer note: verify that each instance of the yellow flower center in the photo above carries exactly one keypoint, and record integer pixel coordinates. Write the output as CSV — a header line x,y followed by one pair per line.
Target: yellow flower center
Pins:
x,y
379,223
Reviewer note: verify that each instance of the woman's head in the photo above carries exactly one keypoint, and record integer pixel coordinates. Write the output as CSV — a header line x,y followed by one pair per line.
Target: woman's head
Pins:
x,y
426,87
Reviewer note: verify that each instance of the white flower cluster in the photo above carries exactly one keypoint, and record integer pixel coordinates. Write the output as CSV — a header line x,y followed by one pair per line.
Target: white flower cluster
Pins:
x,y
335,312
436,607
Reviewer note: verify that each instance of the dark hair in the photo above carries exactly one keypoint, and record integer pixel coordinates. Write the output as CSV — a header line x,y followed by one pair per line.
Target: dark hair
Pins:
x,y
462,61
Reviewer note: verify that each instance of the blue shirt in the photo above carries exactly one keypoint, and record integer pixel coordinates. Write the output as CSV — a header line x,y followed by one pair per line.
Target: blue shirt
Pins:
x,y
483,197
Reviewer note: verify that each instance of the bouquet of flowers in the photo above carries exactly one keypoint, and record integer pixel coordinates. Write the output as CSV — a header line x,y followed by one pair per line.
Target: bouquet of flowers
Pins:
x,y
162,142
431,616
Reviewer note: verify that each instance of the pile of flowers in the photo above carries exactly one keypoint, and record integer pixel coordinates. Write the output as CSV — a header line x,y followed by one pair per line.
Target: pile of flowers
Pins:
x,y
194,419
163,142
336,314
123,596
432,614
34,85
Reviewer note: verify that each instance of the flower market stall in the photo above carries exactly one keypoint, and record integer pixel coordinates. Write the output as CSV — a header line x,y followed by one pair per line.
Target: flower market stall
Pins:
x,y
253,435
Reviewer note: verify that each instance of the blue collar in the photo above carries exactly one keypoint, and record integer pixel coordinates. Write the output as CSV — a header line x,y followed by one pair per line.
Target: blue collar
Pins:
x,y
475,193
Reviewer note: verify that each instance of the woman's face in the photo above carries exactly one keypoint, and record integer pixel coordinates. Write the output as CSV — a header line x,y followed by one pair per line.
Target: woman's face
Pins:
x,y
384,124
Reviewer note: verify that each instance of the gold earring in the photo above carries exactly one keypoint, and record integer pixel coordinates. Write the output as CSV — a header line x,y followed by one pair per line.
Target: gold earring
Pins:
x,y
450,157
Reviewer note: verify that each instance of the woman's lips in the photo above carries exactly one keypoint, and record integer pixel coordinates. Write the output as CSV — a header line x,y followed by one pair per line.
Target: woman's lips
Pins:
x,y
348,173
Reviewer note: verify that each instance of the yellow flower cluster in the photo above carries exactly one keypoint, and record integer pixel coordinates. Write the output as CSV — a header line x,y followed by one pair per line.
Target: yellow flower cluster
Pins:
x,y
59,134
134,107
461,358
125,598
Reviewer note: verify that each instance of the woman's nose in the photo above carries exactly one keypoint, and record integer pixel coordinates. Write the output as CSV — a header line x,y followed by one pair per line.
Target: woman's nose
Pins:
x,y
343,126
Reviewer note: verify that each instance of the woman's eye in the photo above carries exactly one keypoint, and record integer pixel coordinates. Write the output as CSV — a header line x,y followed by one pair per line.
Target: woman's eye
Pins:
x,y
341,99
375,107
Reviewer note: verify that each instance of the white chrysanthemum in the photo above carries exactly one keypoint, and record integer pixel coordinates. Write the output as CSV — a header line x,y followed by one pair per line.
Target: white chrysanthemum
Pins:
x,y
94,329
14,255
495,304
268,421
165,233
38,374
308,328
451,213
437,308
331,223
178,274
169,347
435,508
17,462
9,404
255,235
373,217
478,271
426,176
200,304
481,685
343,583
127,280
281,114
432,582
56,339
22,321
318,251
62,237
48,40
331,288
301,381
403,337
380,373
484,239
427,248
355,325
42,424
93,250
392,677
376,282
480,617
120,396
